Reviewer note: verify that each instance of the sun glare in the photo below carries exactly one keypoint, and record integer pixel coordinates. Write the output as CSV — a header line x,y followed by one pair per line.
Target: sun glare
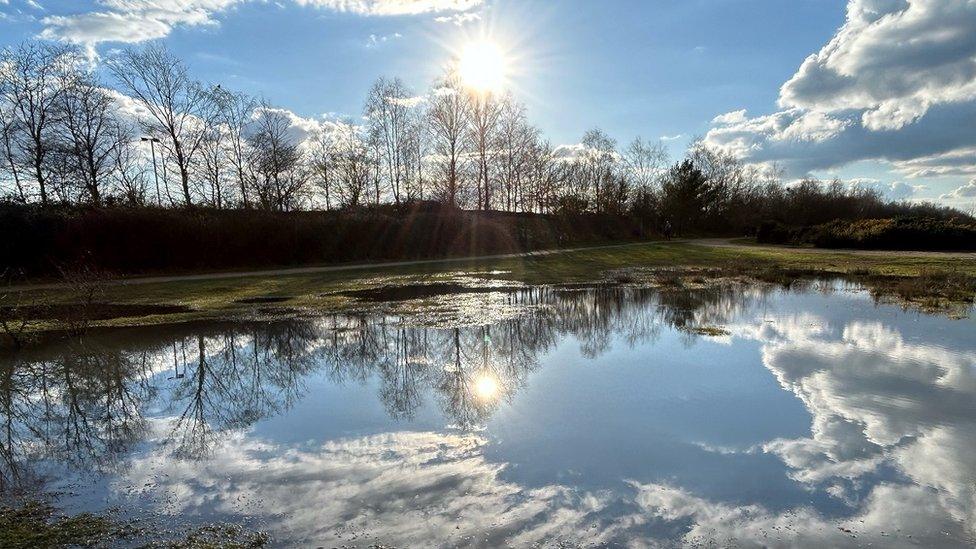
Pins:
x,y
482,66
486,387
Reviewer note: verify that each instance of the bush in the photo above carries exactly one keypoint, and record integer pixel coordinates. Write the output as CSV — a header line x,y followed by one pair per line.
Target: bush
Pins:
x,y
772,232
149,240
900,233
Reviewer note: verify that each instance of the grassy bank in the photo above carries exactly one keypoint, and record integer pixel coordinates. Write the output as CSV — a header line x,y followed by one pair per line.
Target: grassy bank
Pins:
x,y
930,281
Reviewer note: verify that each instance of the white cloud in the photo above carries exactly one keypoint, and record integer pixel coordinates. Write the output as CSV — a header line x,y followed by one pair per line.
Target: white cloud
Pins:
x,y
133,21
459,19
892,58
306,131
392,7
960,161
411,487
734,117
418,488
941,141
377,40
897,190
897,82
813,126
878,398
964,192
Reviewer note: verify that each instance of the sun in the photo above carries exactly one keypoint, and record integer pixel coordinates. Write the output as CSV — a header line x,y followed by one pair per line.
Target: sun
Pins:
x,y
486,387
482,66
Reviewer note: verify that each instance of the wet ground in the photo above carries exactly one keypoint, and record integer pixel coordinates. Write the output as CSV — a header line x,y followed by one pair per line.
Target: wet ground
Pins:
x,y
742,415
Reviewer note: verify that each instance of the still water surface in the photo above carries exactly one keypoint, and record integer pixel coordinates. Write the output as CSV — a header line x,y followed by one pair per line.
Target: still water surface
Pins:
x,y
577,417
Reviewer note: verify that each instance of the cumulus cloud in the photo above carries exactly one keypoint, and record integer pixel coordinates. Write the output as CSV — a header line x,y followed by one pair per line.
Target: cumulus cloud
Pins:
x,y
944,133
877,399
893,59
414,487
812,126
734,117
897,82
897,190
133,21
954,162
964,192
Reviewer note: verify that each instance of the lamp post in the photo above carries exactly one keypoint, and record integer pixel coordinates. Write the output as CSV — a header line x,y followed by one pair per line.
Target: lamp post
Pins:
x,y
152,146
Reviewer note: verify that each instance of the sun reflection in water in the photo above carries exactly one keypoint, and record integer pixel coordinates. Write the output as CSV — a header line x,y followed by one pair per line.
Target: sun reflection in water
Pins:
x,y
486,387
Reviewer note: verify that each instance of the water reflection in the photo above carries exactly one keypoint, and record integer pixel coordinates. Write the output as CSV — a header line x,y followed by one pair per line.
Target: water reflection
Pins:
x,y
593,416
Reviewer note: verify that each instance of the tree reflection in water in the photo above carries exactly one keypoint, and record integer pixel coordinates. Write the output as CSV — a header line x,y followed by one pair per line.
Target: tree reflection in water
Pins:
x,y
84,402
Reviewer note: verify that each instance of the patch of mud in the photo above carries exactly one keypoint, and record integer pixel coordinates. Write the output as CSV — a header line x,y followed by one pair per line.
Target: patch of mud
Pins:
x,y
407,292
92,311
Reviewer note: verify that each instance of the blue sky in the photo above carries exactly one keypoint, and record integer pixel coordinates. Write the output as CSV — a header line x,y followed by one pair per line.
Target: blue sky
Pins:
x,y
654,68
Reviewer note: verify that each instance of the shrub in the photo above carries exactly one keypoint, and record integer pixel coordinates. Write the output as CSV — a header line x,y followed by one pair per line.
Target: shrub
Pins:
x,y
900,233
146,240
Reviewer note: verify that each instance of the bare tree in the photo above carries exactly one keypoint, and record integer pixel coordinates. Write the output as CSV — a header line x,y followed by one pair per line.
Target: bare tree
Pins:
x,y
93,135
485,110
180,108
597,167
8,130
325,165
356,170
345,165
546,176
374,151
277,160
646,162
448,119
387,113
516,139
213,161
416,152
235,112
32,86
129,173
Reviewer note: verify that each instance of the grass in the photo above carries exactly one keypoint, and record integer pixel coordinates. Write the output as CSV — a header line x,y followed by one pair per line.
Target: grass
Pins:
x,y
711,331
925,280
34,524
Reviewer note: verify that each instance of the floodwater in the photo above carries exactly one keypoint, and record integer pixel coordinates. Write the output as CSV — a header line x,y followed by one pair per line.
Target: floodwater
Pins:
x,y
595,417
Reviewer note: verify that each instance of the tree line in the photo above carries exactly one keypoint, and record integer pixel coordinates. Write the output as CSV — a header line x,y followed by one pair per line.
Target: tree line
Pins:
x,y
141,131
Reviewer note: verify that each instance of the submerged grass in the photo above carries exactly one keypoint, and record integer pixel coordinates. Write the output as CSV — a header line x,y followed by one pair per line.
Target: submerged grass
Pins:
x,y
34,524
928,281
